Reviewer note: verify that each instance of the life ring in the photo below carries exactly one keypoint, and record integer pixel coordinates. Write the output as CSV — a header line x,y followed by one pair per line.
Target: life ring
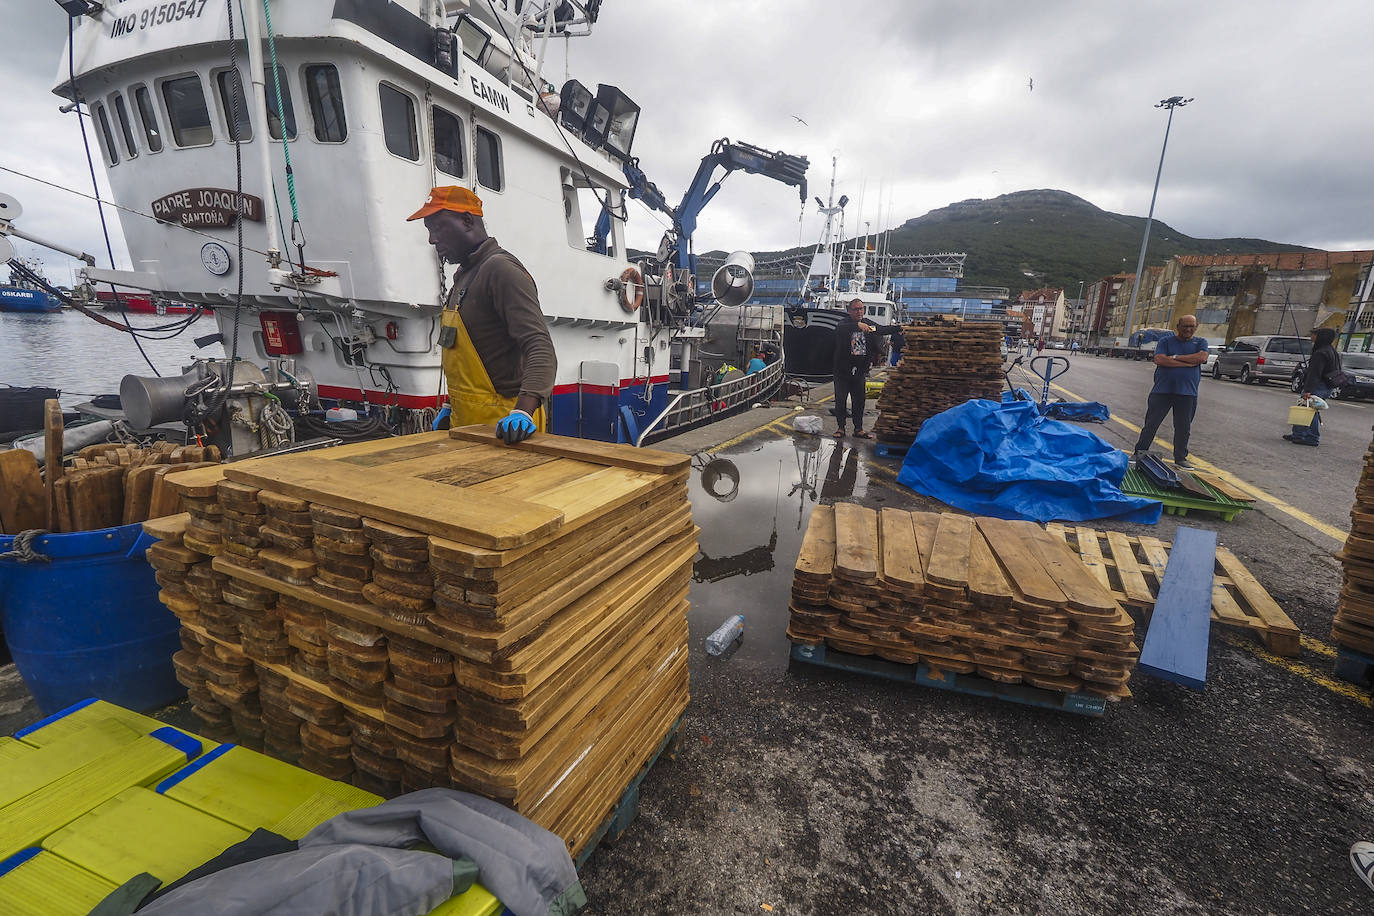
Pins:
x,y
631,277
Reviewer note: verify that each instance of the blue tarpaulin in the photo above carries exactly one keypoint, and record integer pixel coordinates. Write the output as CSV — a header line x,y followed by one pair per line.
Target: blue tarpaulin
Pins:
x,y
1007,461
1087,411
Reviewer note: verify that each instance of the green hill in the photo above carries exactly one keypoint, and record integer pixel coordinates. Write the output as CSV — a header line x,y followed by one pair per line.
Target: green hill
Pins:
x,y
1032,239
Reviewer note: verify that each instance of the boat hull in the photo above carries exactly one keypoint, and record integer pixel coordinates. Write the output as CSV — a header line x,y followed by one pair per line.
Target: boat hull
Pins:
x,y
18,299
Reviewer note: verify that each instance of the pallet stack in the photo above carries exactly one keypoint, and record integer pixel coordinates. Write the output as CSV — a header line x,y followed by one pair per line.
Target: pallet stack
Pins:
x,y
946,361
443,609
1005,600
1353,627
101,486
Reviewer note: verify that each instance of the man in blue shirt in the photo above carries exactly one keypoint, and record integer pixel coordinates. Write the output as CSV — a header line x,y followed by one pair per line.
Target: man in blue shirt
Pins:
x,y
1178,370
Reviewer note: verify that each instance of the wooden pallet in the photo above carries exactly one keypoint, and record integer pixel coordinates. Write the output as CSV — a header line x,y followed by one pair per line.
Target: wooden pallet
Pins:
x,y
1133,568
1002,599
923,674
945,363
1177,502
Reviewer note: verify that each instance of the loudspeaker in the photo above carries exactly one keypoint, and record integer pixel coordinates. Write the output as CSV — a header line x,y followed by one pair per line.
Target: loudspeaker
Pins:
x,y
150,401
733,283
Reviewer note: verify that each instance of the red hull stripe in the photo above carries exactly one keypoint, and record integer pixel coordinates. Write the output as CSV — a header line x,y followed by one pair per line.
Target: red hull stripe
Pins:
x,y
606,389
415,401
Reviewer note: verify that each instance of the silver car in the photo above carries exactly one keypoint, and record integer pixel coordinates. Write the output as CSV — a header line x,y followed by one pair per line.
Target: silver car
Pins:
x,y
1261,358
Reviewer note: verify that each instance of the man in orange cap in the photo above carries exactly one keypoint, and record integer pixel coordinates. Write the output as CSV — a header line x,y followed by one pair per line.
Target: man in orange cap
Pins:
x,y
498,356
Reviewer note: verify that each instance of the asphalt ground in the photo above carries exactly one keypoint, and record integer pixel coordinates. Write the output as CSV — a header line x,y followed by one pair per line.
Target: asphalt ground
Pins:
x,y
829,793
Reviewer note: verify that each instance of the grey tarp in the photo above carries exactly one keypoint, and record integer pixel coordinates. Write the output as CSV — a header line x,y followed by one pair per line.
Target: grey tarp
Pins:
x,y
359,864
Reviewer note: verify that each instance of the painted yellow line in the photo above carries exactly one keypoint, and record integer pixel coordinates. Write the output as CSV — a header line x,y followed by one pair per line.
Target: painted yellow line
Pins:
x,y
1306,672
772,425
1317,647
1289,509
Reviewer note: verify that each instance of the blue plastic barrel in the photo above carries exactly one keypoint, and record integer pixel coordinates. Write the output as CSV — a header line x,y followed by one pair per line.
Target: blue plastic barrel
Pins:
x,y
88,623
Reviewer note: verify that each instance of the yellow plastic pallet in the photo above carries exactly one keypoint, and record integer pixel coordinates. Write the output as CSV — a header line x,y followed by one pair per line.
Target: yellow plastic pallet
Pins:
x,y
12,749
42,765
26,822
38,883
140,831
76,717
251,790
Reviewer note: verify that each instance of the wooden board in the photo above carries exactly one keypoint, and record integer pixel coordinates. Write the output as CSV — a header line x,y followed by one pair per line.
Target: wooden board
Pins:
x,y
949,557
423,505
1176,642
817,557
97,498
138,492
52,458
606,453
856,538
23,498
1031,580
901,567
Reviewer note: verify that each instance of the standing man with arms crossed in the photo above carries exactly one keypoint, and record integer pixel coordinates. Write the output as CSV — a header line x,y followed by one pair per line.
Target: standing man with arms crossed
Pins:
x,y
853,356
1178,370
498,356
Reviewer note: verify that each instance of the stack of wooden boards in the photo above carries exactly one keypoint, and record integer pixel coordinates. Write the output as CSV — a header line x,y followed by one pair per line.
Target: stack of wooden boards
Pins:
x,y
104,485
1006,600
1353,627
441,609
946,361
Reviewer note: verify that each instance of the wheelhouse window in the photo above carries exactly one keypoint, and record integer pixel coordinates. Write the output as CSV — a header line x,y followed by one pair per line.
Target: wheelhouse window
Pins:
x,y
107,144
125,130
398,123
187,112
234,105
147,117
274,118
490,172
448,142
325,96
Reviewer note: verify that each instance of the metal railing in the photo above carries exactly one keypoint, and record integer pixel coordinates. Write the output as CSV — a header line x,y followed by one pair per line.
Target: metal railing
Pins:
x,y
688,407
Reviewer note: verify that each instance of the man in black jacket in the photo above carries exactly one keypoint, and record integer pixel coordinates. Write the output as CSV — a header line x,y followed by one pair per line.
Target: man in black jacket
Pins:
x,y
855,340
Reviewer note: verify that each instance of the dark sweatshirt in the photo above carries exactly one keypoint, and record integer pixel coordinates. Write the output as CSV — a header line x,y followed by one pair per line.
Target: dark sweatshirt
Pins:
x,y
848,339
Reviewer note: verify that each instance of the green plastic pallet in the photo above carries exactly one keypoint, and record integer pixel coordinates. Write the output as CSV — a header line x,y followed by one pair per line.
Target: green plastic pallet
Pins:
x,y
1179,502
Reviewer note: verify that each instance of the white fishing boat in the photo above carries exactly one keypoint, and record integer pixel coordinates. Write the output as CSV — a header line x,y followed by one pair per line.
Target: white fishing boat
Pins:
x,y
838,274
264,157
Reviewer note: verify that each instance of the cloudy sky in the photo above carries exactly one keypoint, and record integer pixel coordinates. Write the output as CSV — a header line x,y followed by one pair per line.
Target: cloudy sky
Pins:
x,y
924,103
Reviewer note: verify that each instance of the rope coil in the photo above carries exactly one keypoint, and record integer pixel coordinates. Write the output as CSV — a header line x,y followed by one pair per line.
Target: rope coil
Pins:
x,y
23,550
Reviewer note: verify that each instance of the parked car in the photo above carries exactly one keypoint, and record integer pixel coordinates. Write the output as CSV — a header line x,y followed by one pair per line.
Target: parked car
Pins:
x,y
1261,358
1359,365
1213,352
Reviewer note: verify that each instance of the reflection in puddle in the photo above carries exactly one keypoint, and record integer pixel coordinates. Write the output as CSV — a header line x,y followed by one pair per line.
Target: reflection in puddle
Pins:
x,y
746,553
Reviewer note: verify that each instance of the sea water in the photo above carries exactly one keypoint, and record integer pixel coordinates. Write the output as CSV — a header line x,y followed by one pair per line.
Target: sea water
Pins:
x,y
82,358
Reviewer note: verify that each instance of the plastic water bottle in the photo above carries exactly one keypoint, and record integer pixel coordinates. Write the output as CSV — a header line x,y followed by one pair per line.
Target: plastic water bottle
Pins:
x,y
725,635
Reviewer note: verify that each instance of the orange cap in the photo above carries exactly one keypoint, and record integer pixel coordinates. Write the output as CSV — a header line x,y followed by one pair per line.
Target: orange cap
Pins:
x,y
450,197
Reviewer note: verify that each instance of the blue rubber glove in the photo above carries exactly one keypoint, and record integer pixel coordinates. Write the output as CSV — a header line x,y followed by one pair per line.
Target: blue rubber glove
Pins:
x,y
440,421
516,427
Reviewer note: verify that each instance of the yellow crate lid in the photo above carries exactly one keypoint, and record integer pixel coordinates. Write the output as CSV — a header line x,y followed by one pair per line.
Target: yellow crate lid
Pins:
x,y
252,790
27,821
140,831
42,765
476,901
12,749
38,883
74,718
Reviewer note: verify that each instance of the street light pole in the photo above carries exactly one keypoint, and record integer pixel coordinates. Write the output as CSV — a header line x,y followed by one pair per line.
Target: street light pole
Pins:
x,y
1177,101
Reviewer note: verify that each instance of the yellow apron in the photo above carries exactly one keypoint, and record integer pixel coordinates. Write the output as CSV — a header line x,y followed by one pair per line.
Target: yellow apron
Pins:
x,y
471,395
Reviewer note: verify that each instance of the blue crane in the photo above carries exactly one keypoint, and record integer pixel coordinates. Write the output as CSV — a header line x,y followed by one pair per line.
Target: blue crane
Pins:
x,y
732,157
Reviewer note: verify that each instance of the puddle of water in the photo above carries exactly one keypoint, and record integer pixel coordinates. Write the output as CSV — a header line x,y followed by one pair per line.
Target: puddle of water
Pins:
x,y
753,504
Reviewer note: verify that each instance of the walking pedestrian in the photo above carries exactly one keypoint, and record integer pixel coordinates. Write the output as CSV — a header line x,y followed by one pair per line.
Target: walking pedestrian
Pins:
x,y
1324,372
1178,370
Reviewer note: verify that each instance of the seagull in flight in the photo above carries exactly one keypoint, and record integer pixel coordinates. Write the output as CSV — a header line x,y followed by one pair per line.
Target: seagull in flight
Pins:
x,y
795,118
1030,84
